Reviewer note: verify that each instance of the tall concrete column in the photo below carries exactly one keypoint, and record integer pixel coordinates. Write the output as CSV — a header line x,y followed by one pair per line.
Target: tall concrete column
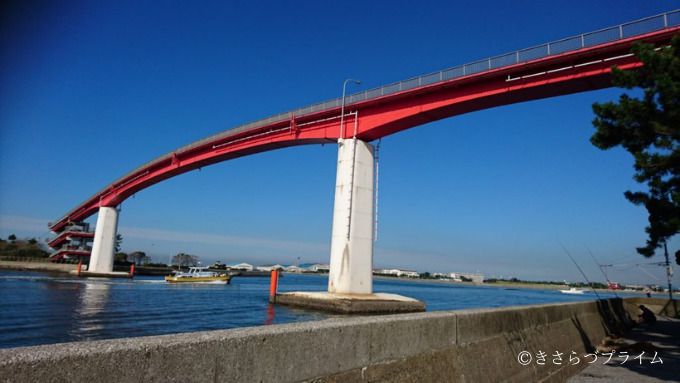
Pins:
x,y
351,265
101,260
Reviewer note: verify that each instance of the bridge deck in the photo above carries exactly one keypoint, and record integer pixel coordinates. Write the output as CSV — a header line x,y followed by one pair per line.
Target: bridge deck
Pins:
x,y
575,64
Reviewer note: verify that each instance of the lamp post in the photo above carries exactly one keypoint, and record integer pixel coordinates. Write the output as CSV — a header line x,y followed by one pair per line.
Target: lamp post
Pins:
x,y
342,109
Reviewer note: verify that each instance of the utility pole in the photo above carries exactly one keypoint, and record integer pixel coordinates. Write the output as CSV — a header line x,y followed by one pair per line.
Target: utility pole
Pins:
x,y
668,271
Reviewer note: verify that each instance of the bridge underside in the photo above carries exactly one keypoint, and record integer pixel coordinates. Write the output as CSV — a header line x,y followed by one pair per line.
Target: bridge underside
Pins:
x,y
364,121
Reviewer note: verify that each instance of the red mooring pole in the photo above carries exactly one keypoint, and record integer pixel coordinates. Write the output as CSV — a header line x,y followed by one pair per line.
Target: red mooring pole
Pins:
x,y
80,266
132,271
273,286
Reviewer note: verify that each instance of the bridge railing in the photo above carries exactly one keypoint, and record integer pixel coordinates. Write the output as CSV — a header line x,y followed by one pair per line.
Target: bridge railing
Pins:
x,y
619,32
587,40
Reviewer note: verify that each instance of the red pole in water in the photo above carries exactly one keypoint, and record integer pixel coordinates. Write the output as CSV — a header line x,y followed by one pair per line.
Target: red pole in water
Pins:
x,y
80,266
273,285
132,271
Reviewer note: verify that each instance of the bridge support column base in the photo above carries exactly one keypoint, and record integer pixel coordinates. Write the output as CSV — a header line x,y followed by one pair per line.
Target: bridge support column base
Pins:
x,y
112,274
378,303
101,260
351,263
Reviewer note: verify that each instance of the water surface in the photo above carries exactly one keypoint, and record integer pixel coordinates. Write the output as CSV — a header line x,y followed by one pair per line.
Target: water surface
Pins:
x,y
41,308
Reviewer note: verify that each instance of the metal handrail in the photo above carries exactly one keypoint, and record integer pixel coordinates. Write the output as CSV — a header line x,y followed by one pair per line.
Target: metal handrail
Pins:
x,y
586,40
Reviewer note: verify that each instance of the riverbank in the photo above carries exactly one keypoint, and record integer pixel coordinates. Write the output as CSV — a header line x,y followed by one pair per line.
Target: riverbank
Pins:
x,y
37,266
41,265
512,285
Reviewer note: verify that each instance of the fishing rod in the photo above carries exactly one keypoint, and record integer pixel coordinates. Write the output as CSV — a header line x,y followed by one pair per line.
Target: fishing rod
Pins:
x,y
579,269
600,267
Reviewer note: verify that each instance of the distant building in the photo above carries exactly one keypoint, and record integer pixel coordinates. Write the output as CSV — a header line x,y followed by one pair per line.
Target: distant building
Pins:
x,y
292,269
474,277
318,268
398,272
240,266
270,267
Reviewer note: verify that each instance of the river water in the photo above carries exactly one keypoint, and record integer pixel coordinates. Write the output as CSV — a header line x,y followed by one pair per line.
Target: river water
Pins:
x,y
41,308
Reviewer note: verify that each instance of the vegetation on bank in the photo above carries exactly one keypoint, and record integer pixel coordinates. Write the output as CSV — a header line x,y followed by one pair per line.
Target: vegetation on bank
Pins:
x,y
595,285
14,248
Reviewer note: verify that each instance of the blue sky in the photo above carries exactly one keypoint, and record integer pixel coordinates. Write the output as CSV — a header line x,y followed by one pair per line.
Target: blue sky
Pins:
x,y
91,90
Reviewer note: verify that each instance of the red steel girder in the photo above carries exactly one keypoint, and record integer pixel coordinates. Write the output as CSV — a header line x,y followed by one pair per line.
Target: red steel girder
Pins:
x,y
571,72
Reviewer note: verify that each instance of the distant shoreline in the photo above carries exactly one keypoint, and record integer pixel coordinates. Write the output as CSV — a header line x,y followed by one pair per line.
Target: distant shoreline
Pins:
x,y
536,286
37,266
496,284
65,268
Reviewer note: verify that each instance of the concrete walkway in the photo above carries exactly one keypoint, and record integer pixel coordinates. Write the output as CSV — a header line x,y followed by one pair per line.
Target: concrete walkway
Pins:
x,y
664,336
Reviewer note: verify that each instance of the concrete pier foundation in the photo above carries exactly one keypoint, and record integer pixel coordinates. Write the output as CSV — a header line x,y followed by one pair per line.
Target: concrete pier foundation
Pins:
x,y
103,248
378,303
351,265
350,279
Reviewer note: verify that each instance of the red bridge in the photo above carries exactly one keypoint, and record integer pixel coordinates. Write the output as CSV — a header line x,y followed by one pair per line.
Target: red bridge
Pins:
x,y
571,65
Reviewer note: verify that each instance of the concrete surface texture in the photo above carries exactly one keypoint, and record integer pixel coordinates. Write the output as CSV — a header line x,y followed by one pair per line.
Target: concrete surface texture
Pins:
x,y
101,260
351,263
42,265
648,353
377,303
485,345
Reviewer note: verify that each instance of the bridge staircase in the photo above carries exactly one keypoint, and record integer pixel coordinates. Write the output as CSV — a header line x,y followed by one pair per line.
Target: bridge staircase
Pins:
x,y
75,240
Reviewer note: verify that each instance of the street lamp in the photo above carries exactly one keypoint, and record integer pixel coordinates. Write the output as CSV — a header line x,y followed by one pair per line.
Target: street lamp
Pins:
x,y
342,109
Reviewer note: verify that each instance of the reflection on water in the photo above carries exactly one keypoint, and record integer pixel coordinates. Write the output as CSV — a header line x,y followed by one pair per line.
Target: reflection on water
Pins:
x,y
94,298
38,308
271,314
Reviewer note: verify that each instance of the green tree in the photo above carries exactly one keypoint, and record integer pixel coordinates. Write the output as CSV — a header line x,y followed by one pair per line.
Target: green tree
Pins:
x,y
12,238
120,257
137,257
183,259
649,128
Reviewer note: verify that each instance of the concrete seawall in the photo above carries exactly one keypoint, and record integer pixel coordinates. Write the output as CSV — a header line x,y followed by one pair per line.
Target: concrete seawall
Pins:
x,y
42,266
454,346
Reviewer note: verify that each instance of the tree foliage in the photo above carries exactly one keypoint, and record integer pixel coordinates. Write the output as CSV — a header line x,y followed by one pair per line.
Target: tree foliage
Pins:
x,y
648,127
137,257
22,248
183,259
120,257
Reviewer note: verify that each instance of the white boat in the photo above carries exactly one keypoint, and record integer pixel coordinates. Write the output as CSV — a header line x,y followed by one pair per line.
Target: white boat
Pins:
x,y
198,274
572,290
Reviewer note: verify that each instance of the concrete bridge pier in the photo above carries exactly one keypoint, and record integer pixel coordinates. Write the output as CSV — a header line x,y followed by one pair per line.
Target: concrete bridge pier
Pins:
x,y
103,248
350,281
351,265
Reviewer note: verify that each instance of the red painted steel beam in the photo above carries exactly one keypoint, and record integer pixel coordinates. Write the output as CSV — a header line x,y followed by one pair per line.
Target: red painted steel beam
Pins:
x,y
576,71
